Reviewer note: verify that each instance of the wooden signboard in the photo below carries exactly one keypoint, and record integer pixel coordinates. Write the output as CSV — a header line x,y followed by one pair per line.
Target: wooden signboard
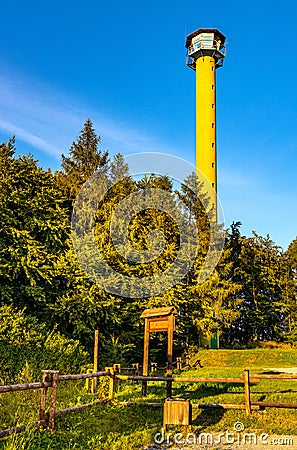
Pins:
x,y
156,325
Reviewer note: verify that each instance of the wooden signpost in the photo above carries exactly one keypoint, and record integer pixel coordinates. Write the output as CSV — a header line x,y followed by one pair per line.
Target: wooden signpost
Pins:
x,y
157,320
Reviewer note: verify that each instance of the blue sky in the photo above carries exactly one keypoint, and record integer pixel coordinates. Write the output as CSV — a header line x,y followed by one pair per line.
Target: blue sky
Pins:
x,y
123,65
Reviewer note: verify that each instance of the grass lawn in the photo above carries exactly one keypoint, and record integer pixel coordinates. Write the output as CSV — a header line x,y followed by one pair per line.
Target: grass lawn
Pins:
x,y
117,427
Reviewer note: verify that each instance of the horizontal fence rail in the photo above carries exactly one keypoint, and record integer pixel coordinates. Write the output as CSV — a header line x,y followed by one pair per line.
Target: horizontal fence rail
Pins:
x,y
183,380
47,384
24,387
60,412
82,376
275,377
275,405
21,428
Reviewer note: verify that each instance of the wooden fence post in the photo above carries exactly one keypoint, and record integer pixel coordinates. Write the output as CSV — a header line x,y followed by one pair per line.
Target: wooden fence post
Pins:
x,y
45,377
247,392
135,370
89,382
171,326
169,389
145,363
95,367
111,383
55,383
117,369
153,368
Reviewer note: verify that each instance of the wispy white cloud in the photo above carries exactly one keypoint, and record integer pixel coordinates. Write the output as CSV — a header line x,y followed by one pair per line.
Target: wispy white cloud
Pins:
x,y
34,114
30,138
49,121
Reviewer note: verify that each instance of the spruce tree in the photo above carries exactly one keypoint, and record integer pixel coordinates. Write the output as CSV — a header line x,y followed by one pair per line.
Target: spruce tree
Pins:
x,y
84,159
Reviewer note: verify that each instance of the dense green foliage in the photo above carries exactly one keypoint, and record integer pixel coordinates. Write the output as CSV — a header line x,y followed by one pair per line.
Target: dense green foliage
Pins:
x,y
267,287
25,341
250,296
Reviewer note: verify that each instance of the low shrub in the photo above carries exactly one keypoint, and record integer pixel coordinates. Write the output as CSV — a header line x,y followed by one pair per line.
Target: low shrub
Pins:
x,y
24,340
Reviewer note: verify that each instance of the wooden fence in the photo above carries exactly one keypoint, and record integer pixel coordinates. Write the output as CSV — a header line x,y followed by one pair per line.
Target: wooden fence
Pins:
x,y
246,379
52,378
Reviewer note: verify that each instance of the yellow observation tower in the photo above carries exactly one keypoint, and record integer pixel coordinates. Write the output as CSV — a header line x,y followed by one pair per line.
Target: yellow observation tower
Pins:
x,y
205,53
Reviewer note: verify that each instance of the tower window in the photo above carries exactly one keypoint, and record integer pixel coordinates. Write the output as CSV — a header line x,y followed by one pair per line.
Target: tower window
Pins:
x,y
212,68
212,185
212,86
212,105
212,144
212,125
212,165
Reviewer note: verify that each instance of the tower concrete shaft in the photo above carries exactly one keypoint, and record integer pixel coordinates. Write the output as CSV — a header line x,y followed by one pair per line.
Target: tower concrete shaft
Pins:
x,y
206,158
205,54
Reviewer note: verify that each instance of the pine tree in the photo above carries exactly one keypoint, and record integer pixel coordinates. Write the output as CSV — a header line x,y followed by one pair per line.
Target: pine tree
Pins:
x,y
118,168
84,159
